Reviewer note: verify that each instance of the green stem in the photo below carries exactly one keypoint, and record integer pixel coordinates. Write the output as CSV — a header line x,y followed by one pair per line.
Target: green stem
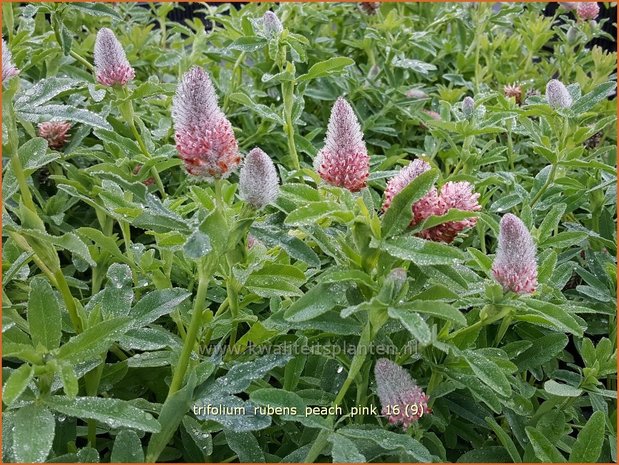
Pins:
x,y
549,181
82,60
140,141
205,268
63,287
355,367
288,97
480,323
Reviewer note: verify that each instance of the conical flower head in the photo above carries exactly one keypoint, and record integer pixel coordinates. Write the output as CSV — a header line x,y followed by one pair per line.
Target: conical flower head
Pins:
x,y
55,133
431,204
111,65
8,68
272,25
587,10
514,265
369,8
513,90
204,137
258,181
402,401
468,106
557,94
458,195
344,160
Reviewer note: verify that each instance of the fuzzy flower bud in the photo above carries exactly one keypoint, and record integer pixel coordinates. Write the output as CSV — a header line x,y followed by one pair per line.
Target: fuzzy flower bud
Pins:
x,y
468,106
8,68
458,195
111,65
514,265
416,94
402,401
55,133
204,137
557,94
258,181
344,160
272,25
587,10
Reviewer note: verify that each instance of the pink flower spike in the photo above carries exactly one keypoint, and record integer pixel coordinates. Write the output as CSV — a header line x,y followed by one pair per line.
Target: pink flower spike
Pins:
x,y
272,25
402,401
514,265
587,10
111,65
8,68
344,160
55,133
258,181
458,195
204,137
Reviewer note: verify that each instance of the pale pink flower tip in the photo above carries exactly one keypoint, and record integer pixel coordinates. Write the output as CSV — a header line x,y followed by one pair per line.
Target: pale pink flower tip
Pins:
x,y
55,133
402,401
204,137
258,180
587,10
111,65
557,94
514,265
344,160
8,68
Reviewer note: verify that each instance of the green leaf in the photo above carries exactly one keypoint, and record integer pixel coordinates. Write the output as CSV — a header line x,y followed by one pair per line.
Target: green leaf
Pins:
x,y
311,213
561,390
317,301
53,112
422,252
389,441
505,439
276,280
69,380
97,9
441,310
588,101
17,383
273,236
44,315
113,412
245,446
326,68
400,213
240,376
94,341
155,304
544,450
543,349
33,155
550,221
550,315
413,323
43,91
127,448
33,433
115,300
588,445
488,372
172,412
344,450
275,398
248,44
452,215
262,110
197,246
